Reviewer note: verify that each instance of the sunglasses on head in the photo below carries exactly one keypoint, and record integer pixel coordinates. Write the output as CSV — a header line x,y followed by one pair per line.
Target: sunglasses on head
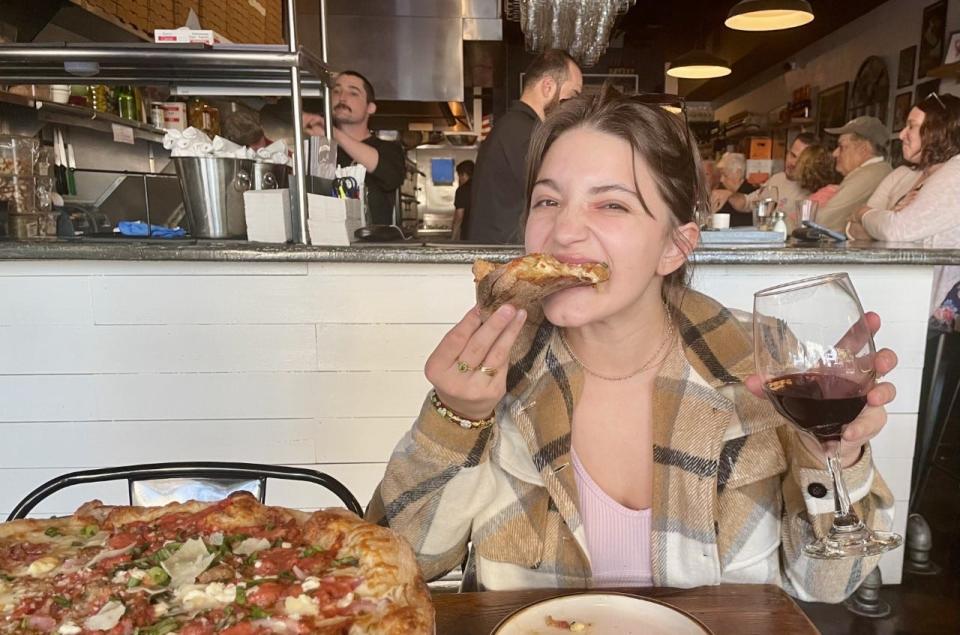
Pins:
x,y
937,97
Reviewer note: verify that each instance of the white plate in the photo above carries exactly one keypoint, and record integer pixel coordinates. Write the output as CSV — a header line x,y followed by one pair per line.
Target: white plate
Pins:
x,y
605,613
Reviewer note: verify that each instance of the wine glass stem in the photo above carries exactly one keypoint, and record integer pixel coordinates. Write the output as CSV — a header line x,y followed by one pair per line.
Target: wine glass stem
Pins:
x,y
843,515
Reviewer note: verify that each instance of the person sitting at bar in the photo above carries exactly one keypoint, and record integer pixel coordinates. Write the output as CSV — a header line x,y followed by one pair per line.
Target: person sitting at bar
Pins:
x,y
733,173
354,102
817,174
786,182
929,211
711,174
498,177
860,159
461,200
578,446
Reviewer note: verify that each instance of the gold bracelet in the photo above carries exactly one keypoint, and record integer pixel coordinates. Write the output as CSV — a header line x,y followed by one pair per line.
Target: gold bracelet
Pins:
x,y
453,417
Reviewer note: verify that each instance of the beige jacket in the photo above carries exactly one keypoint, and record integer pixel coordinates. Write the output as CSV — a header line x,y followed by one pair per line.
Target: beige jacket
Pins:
x,y
732,500
854,191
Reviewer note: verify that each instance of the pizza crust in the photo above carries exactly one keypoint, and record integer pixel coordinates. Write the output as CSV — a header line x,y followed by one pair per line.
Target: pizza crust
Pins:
x,y
524,282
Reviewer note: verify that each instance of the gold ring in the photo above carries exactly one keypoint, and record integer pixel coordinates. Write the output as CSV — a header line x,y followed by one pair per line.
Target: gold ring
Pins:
x,y
486,370
463,366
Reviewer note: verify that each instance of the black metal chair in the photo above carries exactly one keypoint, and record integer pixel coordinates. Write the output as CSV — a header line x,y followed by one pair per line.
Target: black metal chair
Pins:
x,y
233,473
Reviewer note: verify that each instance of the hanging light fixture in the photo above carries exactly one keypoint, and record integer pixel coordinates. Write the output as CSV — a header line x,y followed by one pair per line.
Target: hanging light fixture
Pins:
x,y
582,28
698,65
769,15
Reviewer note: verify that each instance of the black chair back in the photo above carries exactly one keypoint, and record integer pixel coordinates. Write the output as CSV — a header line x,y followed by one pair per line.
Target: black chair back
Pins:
x,y
230,472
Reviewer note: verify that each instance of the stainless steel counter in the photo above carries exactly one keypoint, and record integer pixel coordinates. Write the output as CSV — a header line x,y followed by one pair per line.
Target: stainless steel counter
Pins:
x,y
446,253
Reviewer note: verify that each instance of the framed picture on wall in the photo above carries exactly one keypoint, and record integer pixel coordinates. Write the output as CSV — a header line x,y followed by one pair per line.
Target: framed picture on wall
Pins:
x,y
908,59
831,108
901,108
924,89
953,49
932,32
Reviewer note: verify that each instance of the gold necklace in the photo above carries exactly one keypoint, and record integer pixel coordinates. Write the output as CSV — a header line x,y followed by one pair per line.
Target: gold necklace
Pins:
x,y
668,337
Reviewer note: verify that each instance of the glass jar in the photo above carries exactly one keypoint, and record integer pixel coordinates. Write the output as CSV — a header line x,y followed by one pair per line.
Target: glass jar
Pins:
x,y
98,98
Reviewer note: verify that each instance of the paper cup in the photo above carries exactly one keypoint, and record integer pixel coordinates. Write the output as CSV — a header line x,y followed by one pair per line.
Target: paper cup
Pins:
x,y
60,93
721,221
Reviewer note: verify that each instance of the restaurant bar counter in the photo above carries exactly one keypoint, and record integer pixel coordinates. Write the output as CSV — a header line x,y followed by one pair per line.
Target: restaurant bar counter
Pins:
x,y
130,352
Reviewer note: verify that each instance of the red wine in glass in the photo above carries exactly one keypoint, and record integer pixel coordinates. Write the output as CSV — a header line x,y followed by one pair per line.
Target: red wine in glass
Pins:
x,y
820,404
815,355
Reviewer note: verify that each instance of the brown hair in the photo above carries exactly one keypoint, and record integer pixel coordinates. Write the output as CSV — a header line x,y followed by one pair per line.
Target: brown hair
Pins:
x,y
816,168
367,86
660,137
552,63
940,132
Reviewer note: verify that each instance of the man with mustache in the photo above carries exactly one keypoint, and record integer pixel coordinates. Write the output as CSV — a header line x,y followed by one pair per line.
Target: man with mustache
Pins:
x,y
353,101
498,197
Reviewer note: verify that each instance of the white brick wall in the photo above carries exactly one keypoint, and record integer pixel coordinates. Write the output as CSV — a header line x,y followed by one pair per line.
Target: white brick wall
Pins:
x,y
312,364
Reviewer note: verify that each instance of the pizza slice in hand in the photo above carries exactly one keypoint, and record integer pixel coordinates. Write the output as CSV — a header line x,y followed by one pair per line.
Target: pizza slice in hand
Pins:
x,y
525,281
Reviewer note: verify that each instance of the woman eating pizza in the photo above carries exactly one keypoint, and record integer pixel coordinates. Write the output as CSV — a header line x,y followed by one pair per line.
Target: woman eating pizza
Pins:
x,y
615,437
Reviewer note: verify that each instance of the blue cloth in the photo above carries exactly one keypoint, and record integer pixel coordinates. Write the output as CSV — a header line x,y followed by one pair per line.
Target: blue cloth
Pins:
x,y
139,228
441,171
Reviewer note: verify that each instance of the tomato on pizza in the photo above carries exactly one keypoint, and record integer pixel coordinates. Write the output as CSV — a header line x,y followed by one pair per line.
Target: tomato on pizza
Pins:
x,y
235,567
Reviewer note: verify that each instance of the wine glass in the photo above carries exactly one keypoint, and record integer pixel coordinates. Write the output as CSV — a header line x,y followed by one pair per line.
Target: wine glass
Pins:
x,y
766,204
815,353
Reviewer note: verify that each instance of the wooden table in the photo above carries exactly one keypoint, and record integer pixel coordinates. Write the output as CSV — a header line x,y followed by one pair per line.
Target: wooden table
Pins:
x,y
739,609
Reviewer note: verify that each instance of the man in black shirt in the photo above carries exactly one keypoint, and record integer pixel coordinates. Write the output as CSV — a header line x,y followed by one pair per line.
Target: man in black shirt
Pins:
x,y
353,103
461,200
499,196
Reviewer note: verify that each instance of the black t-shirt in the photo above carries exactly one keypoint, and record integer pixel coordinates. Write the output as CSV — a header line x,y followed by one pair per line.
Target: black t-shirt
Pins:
x,y
461,200
500,173
382,183
737,218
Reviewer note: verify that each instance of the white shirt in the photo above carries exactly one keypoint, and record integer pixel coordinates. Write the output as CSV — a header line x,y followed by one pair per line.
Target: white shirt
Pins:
x,y
933,219
788,192
893,187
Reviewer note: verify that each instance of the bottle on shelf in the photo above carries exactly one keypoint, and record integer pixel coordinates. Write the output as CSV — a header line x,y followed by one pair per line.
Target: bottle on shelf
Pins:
x,y
97,97
211,120
126,105
195,109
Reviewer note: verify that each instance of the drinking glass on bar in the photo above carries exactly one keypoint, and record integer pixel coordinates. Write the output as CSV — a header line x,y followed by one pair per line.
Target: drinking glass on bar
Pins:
x,y
765,206
806,210
815,353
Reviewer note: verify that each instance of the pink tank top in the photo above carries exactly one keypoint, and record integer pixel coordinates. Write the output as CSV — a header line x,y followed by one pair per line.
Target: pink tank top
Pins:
x,y
618,537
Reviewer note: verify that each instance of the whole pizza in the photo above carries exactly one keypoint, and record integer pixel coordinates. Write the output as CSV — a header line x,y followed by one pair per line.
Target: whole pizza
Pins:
x,y
235,567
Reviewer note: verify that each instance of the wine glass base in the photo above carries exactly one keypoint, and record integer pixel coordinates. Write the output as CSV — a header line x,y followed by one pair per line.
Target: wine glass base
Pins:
x,y
858,543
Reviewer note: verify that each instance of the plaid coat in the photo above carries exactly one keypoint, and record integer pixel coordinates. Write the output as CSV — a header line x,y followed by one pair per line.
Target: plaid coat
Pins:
x,y
730,481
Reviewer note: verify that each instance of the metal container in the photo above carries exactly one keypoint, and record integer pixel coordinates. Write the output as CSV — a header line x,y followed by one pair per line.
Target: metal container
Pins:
x,y
213,195
270,176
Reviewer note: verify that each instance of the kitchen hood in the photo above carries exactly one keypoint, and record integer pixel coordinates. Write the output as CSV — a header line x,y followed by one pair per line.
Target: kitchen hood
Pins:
x,y
411,50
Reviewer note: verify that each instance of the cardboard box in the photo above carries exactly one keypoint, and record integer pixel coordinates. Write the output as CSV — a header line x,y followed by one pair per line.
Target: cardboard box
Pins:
x,y
181,9
161,16
759,170
188,36
760,148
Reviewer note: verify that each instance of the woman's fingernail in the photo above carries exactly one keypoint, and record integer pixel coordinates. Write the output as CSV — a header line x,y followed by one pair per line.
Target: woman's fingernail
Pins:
x,y
506,311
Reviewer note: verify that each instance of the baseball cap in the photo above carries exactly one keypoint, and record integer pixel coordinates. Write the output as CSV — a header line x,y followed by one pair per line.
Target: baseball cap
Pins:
x,y
869,128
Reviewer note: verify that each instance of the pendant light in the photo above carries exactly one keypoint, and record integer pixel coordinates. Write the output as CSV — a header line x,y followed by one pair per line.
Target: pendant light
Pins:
x,y
769,15
698,65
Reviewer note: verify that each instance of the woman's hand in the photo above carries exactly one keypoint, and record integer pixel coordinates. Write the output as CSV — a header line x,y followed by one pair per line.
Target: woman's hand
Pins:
x,y
871,419
454,367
